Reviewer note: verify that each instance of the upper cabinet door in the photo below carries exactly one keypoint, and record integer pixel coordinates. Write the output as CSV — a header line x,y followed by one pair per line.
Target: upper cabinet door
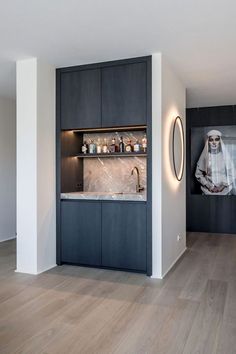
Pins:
x,y
81,99
124,91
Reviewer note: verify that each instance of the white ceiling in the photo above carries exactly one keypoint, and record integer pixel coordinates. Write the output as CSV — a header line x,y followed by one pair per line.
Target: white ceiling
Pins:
x,y
197,37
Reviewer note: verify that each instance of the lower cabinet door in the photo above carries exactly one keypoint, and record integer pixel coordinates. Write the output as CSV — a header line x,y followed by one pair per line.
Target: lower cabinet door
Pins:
x,y
124,235
81,232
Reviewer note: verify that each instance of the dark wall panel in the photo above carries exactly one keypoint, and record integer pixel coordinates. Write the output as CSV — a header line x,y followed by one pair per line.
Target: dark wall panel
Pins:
x,y
209,213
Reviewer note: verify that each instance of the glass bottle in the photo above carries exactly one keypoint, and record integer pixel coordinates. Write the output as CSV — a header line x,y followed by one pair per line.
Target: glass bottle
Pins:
x,y
105,147
128,147
137,146
144,143
121,145
84,148
113,145
92,147
99,147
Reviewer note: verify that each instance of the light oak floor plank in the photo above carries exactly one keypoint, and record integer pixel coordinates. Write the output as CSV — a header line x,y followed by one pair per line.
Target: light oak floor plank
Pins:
x,y
77,310
207,324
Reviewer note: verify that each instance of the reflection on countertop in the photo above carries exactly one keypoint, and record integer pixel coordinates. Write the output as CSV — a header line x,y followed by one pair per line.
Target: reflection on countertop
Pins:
x,y
105,196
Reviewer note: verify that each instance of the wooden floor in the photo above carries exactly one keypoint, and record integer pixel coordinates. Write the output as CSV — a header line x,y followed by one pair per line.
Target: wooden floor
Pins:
x,y
82,310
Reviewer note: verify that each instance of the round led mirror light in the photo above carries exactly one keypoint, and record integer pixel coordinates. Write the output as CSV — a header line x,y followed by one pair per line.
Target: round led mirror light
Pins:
x,y
178,148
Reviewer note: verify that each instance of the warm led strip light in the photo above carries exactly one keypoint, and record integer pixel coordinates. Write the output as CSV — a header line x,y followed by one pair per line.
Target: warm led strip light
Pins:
x,y
109,129
179,174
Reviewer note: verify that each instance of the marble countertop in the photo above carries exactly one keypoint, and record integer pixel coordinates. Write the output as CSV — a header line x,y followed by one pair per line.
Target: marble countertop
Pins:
x,y
105,196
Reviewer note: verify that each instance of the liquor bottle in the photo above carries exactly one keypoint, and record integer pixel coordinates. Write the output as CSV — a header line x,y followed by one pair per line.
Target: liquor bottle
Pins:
x,y
113,145
105,147
128,147
92,147
99,147
84,148
137,146
121,145
144,143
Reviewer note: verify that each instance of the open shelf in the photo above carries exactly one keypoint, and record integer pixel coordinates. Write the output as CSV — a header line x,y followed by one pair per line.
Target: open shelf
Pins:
x,y
114,154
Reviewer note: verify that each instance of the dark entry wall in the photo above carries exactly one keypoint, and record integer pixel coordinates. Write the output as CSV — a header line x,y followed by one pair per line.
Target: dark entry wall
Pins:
x,y
209,213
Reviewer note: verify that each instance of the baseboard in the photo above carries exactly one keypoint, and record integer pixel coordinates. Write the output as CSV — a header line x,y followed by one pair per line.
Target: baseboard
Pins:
x,y
156,276
25,271
8,239
46,269
18,270
172,265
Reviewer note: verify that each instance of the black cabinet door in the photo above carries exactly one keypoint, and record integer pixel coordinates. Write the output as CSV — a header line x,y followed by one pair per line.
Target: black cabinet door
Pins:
x,y
81,232
124,235
124,90
81,99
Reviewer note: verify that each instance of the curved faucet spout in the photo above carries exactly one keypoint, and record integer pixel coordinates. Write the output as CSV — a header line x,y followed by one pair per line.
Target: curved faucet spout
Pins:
x,y
138,186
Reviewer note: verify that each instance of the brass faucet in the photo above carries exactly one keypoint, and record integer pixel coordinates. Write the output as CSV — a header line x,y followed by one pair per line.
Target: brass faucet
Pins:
x,y
138,186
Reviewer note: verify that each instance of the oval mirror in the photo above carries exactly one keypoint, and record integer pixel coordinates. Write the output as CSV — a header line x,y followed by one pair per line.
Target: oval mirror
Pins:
x,y
178,148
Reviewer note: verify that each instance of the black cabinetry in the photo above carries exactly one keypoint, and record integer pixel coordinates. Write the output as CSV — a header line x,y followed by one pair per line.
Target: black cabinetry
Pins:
x,y
124,95
81,232
114,238
104,95
80,99
124,235
112,96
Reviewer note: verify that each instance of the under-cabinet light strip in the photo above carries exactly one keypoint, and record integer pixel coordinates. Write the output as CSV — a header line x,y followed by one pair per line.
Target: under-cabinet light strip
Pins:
x,y
130,128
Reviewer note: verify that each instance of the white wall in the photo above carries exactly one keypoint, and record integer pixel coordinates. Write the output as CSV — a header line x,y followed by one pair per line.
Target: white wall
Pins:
x,y
36,235
169,196
173,191
156,167
7,169
46,167
26,93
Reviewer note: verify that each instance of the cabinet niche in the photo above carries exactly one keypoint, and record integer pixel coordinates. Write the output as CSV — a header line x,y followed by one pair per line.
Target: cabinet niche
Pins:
x,y
105,172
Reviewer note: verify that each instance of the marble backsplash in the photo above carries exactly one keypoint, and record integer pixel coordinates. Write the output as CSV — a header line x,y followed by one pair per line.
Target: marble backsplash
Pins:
x,y
113,174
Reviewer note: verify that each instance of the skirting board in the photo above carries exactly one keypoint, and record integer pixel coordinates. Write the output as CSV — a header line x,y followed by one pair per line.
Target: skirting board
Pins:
x,y
35,273
8,239
171,266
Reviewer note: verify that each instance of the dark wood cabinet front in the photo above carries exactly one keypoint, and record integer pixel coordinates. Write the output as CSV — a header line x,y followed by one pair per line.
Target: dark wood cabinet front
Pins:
x,y
93,98
81,232
124,95
80,97
124,235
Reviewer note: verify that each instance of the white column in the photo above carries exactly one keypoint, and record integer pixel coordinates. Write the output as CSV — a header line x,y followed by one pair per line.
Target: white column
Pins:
x,y
168,194
173,191
36,230
156,167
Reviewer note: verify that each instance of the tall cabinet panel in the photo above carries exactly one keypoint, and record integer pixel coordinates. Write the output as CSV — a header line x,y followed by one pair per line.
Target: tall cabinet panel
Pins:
x,y
81,238
124,100
111,98
124,235
80,99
